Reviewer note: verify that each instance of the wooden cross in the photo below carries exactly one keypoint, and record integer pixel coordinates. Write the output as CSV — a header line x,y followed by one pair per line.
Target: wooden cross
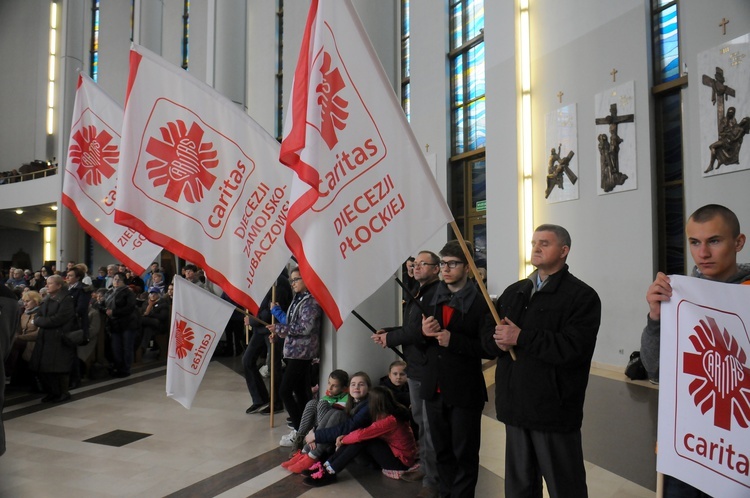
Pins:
x,y
614,74
614,119
723,25
719,93
559,96
427,148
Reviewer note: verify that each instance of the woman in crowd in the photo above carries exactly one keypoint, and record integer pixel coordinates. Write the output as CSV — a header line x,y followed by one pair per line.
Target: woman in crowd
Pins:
x,y
52,356
301,332
123,321
23,344
155,319
389,440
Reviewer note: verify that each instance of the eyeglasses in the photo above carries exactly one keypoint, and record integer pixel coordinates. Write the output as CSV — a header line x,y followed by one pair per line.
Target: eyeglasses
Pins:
x,y
294,280
451,264
424,263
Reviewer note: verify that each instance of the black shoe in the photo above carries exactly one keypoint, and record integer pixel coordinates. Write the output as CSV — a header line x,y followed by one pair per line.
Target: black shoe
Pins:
x,y
267,410
62,398
49,398
256,407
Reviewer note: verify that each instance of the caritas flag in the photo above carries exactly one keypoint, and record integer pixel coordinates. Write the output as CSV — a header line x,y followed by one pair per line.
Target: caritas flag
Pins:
x,y
90,181
198,321
704,390
203,179
363,197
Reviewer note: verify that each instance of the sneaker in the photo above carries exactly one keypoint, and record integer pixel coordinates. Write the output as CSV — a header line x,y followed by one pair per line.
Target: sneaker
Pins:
x,y
320,478
288,440
289,424
267,410
256,407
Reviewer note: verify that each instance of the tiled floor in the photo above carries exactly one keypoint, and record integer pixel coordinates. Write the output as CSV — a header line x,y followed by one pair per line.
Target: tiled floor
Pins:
x,y
215,449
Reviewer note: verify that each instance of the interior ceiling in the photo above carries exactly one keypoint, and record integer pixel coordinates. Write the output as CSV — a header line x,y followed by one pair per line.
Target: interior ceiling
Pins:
x,y
32,218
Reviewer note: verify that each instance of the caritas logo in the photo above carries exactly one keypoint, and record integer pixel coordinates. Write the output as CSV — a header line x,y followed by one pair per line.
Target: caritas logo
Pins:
x,y
343,118
93,156
189,166
722,379
191,344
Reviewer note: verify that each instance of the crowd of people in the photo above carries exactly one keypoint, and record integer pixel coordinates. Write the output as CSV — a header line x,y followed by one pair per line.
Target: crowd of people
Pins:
x,y
119,315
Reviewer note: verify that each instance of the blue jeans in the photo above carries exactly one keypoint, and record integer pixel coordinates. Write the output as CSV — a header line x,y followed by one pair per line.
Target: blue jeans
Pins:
x,y
123,345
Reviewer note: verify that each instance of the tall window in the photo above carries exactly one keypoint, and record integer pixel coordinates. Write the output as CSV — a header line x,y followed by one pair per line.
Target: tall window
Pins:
x,y
668,83
279,69
52,75
405,59
94,51
185,34
467,178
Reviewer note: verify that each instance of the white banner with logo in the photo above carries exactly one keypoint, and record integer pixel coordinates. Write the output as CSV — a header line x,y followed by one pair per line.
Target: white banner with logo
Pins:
x,y
704,390
202,179
198,321
363,198
90,178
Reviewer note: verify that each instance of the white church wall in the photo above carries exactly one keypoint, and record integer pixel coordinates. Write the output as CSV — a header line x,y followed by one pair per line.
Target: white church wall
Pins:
x,y
611,234
699,24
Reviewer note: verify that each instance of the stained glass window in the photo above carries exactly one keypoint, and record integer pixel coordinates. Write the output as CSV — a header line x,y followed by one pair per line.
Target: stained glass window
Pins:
x,y
666,42
405,59
94,51
185,34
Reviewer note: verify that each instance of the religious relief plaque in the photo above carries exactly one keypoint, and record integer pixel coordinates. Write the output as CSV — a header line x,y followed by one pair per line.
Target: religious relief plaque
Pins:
x,y
725,107
615,139
562,141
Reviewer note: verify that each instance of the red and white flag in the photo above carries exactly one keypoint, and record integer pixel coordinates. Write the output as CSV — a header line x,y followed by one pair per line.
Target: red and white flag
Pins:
x,y
90,181
363,197
202,179
198,321
704,386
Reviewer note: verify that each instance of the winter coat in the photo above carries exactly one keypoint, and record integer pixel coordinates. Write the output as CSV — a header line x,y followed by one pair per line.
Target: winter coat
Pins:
x,y
56,316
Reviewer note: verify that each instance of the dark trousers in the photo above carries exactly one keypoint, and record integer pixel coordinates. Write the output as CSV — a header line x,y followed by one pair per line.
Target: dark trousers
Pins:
x,y
376,448
255,351
123,345
295,388
674,488
456,435
557,456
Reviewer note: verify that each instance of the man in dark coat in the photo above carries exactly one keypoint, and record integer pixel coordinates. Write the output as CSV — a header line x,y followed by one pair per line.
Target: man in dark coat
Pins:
x,y
551,319
52,357
9,316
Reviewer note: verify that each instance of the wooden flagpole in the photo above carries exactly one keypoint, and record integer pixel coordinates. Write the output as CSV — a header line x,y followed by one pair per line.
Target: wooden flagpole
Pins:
x,y
473,266
272,341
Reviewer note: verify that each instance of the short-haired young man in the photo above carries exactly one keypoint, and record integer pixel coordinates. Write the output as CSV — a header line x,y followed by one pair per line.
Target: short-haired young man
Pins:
x,y
453,383
714,238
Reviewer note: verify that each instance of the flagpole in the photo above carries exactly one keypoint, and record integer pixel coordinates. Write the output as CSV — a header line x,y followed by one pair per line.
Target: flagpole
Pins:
x,y
480,282
374,331
272,341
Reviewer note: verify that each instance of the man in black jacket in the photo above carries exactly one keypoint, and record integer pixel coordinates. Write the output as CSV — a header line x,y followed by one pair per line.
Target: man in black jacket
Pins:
x,y
426,270
551,319
453,383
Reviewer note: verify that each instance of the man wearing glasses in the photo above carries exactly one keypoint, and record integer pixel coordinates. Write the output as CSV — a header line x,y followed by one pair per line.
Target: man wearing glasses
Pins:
x,y
426,270
551,319
453,385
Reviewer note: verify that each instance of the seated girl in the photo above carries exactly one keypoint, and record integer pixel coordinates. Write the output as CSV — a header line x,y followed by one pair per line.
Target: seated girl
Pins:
x,y
389,440
320,442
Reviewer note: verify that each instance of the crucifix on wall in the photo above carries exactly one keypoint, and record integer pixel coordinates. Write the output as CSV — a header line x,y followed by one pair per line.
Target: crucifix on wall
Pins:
x,y
609,149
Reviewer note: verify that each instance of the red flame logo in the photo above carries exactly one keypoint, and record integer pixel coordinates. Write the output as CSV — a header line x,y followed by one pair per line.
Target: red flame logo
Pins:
x,y
183,339
333,112
722,380
182,161
93,155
